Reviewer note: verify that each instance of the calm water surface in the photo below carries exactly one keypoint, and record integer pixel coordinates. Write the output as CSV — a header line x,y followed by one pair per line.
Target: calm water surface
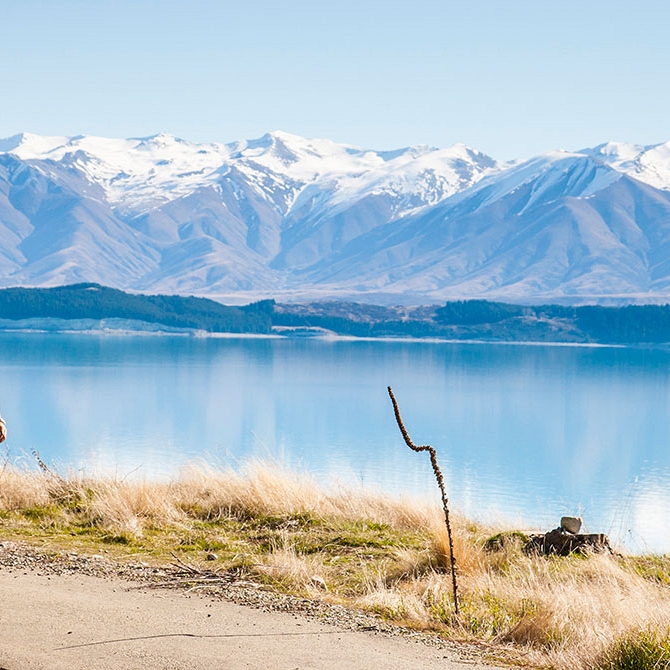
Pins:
x,y
524,434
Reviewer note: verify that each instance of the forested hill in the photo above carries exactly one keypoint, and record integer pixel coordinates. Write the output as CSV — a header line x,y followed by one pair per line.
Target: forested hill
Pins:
x,y
487,321
95,302
458,320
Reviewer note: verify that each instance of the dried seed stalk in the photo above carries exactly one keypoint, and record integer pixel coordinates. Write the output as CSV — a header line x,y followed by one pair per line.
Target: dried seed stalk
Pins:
x,y
440,483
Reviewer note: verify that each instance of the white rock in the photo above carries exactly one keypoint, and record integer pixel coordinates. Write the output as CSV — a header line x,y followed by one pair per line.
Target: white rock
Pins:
x,y
571,523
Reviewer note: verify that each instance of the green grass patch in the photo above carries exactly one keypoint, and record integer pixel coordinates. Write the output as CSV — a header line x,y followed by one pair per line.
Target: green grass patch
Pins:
x,y
116,539
642,650
653,568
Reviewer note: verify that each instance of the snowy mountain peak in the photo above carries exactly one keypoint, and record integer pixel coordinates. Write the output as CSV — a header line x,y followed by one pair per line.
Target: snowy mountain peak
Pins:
x,y
284,149
615,152
650,164
28,146
9,144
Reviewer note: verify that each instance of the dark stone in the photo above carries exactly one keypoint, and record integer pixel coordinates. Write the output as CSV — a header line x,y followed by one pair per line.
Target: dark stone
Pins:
x,y
562,543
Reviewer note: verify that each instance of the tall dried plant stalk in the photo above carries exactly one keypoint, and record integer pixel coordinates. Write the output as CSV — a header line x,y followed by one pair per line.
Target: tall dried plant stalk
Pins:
x,y
440,483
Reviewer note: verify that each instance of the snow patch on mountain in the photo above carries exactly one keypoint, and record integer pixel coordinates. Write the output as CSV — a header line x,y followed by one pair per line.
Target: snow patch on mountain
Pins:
x,y
428,176
650,164
136,173
553,174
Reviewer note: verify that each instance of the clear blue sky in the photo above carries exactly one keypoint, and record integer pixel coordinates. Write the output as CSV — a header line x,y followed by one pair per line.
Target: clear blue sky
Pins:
x,y
511,78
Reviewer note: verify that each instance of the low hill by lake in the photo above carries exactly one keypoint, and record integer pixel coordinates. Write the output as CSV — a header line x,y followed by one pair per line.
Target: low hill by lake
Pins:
x,y
91,306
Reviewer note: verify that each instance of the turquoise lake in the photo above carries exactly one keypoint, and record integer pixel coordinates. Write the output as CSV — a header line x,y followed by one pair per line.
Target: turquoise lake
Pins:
x,y
524,434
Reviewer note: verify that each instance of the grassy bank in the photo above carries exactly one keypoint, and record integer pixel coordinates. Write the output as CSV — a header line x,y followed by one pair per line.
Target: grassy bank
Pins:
x,y
365,551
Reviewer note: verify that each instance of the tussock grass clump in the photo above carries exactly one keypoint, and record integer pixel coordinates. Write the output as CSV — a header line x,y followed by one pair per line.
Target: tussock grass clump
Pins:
x,y
368,551
638,650
20,491
131,507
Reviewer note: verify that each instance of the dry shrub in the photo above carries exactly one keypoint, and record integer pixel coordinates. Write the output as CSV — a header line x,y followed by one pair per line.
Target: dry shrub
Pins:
x,y
262,489
110,504
410,563
130,507
468,540
564,610
399,603
293,571
206,493
201,492
21,490
562,615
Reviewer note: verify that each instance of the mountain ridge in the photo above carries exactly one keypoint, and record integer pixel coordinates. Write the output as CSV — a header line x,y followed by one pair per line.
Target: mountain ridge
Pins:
x,y
310,219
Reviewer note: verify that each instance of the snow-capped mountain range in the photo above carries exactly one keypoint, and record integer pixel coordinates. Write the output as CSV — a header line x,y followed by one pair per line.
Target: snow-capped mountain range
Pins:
x,y
298,219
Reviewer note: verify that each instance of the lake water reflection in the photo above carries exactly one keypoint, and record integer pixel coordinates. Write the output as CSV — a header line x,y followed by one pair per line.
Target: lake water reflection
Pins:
x,y
523,433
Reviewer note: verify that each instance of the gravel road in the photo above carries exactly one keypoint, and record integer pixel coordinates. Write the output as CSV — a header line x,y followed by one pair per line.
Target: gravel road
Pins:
x,y
62,611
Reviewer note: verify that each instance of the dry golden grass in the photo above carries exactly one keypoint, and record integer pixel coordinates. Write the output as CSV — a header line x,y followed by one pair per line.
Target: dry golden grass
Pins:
x,y
265,489
364,550
19,490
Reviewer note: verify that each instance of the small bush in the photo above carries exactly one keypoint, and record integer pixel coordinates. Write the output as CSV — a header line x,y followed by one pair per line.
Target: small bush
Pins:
x,y
501,541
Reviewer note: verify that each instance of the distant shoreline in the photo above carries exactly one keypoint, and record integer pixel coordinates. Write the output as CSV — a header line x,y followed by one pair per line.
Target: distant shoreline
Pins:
x,y
92,308
288,334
